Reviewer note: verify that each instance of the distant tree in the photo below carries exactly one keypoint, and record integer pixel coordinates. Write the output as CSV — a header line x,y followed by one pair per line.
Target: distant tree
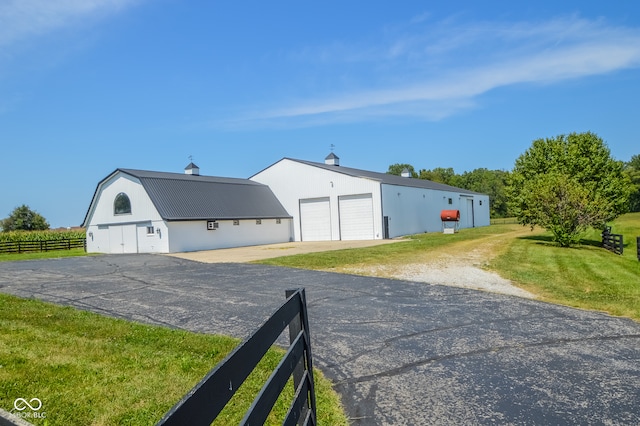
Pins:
x,y
24,219
632,170
568,184
490,182
440,174
396,169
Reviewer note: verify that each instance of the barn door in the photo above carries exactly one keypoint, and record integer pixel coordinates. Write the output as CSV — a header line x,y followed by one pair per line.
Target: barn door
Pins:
x,y
470,218
123,239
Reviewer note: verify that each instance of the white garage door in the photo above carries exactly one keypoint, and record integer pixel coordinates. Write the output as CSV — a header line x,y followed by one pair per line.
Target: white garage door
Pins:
x,y
356,217
315,219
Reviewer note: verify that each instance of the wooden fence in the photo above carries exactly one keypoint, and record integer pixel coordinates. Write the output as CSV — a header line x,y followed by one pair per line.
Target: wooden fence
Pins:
x,y
46,245
612,242
206,400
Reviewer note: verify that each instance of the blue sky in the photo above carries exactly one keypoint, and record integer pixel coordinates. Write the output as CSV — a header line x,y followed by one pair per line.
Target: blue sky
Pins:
x,y
88,86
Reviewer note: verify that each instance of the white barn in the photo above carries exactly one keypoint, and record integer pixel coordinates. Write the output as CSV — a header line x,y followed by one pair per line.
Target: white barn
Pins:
x,y
138,211
331,202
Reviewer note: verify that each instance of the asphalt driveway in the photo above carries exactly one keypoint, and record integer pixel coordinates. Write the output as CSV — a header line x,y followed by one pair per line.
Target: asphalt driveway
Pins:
x,y
399,352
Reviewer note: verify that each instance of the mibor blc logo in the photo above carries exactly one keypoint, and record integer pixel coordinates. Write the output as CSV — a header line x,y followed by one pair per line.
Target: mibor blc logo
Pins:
x,y
34,404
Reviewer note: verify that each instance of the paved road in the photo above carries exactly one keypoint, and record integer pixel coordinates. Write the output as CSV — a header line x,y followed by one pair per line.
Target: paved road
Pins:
x,y
399,352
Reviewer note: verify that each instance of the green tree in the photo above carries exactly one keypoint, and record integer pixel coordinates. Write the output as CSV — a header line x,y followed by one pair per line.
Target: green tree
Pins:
x,y
632,170
440,174
490,182
396,169
568,184
24,219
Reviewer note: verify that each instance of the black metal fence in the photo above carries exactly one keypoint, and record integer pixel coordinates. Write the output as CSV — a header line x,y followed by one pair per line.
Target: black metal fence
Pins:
x,y
612,242
206,400
46,245
638,246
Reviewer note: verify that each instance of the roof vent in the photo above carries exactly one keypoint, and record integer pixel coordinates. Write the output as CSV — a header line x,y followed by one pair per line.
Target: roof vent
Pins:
x,y
192,169
332,160
405,173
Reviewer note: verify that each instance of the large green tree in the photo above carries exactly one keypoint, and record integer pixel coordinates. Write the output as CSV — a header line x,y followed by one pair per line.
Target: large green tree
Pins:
x,y
567,184
632,169
24,219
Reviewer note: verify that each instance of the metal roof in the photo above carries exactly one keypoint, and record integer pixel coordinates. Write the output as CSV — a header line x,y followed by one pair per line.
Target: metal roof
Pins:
x,y
179,196
386,178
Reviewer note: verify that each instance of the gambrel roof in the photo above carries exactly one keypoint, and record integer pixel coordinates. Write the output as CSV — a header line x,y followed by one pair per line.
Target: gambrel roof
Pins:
x,y
384,178
179,196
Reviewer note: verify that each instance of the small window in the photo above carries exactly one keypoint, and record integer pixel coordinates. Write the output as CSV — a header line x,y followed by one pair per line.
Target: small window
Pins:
x,y
278,221
258,221
122,205
150,230
450,200
236,222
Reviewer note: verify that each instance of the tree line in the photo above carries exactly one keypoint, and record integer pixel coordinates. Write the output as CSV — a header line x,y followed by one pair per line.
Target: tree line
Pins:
x,y
494,183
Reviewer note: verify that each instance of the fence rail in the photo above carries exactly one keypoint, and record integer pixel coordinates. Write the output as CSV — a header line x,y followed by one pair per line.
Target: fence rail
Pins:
x,y
45,245
206,400
612,242
638,246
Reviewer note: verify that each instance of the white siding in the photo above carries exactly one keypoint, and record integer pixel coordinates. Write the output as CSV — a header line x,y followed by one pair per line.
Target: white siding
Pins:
x,y
292,181
356,217
193,235
415,210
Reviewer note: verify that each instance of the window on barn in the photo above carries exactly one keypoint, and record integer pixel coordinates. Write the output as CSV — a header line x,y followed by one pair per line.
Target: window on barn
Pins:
x,y
121,204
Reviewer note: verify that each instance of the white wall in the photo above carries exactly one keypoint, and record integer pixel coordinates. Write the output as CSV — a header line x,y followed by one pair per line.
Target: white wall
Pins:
x,y
291,181
416,210
193,235
111,233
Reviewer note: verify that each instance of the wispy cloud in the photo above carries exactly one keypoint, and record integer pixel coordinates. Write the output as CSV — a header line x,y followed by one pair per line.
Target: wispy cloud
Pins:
x,y
432,70
25,19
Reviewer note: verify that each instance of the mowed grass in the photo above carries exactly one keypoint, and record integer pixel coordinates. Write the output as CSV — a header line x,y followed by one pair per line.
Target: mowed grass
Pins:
x,y
12,257
404,252
93,370
585,276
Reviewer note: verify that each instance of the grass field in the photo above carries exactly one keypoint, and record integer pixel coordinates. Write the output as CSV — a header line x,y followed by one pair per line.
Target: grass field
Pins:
x,y
584,276
92,370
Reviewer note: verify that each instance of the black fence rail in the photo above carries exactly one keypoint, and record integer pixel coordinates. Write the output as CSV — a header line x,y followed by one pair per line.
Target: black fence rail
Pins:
x,y
46,245
612,242
206,400
638,246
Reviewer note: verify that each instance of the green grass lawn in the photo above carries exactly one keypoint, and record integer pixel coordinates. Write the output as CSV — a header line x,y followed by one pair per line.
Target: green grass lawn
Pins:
x,y
403,252
11,257
93,370
585,276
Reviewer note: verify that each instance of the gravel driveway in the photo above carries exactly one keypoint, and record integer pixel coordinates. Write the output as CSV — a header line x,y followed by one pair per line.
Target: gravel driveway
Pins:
x,y
399,352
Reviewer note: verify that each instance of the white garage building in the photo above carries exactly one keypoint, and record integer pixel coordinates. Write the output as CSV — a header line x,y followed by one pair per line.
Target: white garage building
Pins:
x,y
331,202
138,211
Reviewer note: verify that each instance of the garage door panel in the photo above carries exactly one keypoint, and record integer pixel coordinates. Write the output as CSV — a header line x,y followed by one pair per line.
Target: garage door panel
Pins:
x,y
356,217
315,219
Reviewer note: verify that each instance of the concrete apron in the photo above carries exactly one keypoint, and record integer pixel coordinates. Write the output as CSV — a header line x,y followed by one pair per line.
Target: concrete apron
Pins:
x,y
399,352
